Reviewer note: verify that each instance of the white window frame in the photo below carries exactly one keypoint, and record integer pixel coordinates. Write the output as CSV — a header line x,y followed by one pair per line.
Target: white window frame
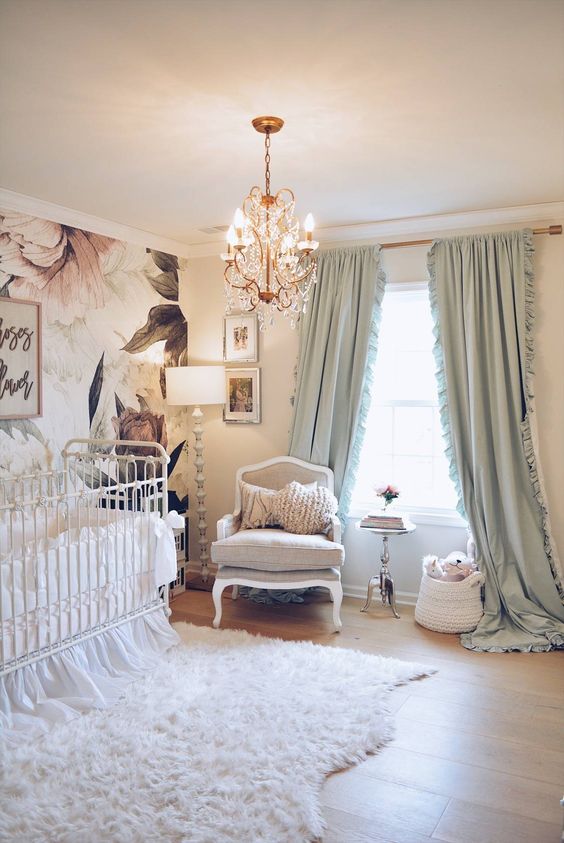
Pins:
x,y
433,516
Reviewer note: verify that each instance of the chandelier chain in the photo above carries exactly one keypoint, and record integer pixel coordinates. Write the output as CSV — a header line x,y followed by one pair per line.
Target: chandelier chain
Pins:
x,y
267,162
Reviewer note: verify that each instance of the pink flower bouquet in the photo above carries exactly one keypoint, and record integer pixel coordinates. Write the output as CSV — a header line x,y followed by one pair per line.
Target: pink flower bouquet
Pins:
x,y
388,492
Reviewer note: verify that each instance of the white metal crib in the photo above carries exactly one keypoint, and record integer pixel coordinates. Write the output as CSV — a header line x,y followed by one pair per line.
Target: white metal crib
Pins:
x,y
78,547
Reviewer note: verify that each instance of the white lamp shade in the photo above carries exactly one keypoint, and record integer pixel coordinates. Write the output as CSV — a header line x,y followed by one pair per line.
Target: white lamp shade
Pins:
x,y
195,385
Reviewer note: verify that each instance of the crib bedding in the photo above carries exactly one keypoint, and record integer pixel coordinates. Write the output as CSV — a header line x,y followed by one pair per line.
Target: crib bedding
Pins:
x,y
21,533
87,559
83,577
42,527
72,562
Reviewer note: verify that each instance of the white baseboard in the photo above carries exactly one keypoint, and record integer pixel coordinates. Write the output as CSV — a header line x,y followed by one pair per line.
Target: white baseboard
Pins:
x,y
406,598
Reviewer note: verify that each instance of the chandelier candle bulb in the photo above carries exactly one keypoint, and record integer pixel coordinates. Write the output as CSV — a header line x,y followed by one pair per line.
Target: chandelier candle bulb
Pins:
x,y
239,224
228,256
309,244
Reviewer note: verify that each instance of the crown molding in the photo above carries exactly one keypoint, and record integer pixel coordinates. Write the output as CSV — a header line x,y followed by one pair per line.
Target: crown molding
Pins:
x,y
13,201
549,213
520,214
381,232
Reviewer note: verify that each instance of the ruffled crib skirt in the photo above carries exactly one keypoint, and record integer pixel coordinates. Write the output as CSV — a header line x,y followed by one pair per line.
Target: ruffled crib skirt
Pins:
x,y
91,674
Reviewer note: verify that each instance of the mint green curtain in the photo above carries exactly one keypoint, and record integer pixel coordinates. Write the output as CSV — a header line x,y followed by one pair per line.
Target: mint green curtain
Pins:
x,y
482,297
338,336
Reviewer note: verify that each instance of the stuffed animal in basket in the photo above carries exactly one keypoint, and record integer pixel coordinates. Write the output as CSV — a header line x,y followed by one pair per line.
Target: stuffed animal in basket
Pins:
x,y
455,568
432,567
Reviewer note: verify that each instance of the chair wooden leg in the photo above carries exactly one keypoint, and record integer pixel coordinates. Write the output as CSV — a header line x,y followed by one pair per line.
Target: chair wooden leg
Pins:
x,y
336,590
234,592
217,591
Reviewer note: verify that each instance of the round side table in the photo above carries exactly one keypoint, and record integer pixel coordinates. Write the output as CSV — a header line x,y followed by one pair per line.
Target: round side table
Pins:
x,y
384,579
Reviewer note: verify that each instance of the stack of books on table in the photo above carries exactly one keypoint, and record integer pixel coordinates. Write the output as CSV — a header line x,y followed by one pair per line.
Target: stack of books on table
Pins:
x,y
383,522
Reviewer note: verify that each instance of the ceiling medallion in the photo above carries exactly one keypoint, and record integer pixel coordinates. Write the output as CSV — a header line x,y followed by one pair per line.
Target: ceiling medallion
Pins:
x,y
268,268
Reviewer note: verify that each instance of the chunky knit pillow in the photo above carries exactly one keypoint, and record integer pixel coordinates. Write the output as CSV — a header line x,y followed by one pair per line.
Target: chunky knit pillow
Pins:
x,y
305,511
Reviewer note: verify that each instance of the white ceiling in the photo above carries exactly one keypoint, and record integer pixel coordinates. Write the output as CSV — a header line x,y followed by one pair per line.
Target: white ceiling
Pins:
x,y
139,111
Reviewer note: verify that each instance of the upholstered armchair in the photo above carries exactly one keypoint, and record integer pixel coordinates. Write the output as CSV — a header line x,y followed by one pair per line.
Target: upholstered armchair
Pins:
x,y
270,557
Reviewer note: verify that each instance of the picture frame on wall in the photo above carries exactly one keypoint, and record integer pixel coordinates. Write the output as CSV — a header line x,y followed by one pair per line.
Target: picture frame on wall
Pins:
x,y
242,396
240,338
20,359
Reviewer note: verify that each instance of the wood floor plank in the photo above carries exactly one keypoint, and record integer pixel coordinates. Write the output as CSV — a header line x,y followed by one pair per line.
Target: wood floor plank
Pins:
x,y
439,776
390,807
343,827
541,763
526,728
463,822
448,691
471,667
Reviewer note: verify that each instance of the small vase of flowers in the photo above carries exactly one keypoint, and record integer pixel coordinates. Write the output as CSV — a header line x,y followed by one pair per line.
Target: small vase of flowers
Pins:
x,y
388,493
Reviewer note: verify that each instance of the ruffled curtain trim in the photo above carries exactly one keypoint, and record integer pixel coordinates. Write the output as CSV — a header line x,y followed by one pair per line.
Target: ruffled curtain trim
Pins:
x,y
353,462
529,423
554,641
440,376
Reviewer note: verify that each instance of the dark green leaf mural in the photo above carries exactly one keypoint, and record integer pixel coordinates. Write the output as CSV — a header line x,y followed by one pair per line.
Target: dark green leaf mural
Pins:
x,y
174,456
165,262
166,285
120,406
95,389
163,321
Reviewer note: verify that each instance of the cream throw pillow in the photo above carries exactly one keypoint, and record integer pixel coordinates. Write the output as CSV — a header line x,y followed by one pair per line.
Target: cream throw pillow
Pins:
x,y
257,505
299,509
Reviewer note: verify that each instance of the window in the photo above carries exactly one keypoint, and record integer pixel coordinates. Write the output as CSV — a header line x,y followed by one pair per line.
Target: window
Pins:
x,y
403,443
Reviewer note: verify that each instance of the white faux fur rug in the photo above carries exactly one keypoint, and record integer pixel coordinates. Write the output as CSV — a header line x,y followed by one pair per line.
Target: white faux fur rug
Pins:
x,y
229,739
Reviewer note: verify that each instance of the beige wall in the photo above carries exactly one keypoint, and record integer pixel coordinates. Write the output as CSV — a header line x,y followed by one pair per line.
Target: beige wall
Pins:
x,y
229,446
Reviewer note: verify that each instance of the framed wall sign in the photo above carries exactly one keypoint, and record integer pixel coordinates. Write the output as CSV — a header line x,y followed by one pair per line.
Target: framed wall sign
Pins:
x,y
242,396
240,338
20,358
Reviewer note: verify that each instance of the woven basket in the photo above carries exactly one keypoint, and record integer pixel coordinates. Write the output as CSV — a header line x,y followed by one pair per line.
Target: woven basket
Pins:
x,y
450,606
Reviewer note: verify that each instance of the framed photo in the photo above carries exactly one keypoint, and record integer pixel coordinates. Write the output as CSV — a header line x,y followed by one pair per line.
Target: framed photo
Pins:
x,y
20,358
240,338
242,396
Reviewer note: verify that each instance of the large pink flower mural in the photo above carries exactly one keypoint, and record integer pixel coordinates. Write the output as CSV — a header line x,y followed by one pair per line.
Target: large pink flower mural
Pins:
x,y
51,263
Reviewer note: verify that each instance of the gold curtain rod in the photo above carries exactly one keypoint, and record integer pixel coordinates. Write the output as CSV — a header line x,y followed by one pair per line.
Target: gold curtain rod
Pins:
x,y
551,229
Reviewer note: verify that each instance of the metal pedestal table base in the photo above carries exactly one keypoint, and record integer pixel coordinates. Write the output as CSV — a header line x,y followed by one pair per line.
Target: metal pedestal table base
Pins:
x,y
384,581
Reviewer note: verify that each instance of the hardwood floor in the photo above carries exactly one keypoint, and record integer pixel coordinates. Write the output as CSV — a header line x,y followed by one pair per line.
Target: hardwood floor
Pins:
x,y
478,755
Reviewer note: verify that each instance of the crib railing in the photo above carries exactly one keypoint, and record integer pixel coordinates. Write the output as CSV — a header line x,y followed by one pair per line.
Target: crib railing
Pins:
x,y
77,547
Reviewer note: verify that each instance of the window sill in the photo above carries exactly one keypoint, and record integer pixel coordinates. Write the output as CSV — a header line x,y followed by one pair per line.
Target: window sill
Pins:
x,y
419,515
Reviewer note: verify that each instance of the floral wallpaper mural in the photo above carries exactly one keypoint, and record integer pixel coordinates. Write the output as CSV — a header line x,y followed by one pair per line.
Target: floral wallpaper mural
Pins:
x,y
111,323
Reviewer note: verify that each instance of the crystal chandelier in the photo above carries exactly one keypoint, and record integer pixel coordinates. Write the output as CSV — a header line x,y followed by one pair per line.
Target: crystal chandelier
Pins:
x,y
268,268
